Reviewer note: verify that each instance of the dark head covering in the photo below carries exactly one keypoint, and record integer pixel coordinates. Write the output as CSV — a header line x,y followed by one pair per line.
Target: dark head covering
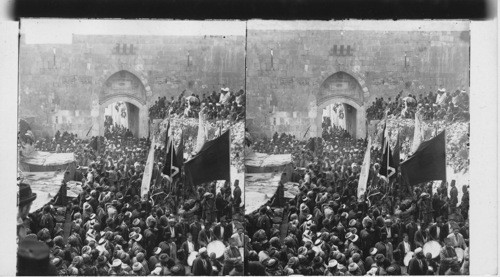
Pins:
x,y
25,194
33,259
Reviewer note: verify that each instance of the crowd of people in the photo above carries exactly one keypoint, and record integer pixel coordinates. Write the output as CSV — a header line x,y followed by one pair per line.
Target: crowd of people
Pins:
x,y
442,105
176,230
225,104
61,143
327,230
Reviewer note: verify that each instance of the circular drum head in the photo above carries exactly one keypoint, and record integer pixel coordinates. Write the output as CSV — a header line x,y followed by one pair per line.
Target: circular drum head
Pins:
x,y
216,247
432,247
407,258
192,257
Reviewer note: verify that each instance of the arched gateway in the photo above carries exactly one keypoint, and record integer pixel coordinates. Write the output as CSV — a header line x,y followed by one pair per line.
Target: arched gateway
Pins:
x,y
342,88
128,91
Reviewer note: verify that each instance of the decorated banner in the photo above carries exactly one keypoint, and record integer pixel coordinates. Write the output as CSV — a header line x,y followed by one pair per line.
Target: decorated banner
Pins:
x,y
202,132
418,134
148,171
365,170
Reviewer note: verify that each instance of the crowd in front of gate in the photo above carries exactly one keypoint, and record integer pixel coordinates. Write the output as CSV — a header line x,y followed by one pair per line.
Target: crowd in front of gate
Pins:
x,y
441,105
225,104
111,230
327,230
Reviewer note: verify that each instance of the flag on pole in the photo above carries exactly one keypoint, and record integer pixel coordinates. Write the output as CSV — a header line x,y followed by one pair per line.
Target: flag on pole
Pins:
x,y
382,144
170,167
94,144
211,163
396,156
200,140
387,167
311,145
428,163
148,171
167,137
365,170
180,152
417,134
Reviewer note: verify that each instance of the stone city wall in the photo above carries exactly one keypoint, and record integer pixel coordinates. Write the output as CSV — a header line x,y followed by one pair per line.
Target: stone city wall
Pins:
x,y
286,69
67,79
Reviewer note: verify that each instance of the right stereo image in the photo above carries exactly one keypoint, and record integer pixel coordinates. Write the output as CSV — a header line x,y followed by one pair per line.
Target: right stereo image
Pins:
x,y
357,148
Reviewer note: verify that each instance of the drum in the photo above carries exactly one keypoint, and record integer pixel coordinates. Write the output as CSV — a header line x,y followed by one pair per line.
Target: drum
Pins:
x,y
432,247
460,254
408,257
192,257
216,247
263,256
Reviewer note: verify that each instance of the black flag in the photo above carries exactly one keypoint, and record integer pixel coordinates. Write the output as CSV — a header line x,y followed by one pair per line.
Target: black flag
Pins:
x,y
94,144
211,163
180,152
311,145
396,155
382,144
170,167
428,163
388,167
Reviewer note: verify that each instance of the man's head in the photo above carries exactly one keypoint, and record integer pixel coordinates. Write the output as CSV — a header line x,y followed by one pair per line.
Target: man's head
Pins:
x,y
233,242
203,252
405,237
25,199
448,242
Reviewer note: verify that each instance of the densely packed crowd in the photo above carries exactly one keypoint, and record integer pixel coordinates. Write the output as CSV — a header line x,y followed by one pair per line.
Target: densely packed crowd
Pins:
x,y
442,105
225,104
327,230
60,143
175,231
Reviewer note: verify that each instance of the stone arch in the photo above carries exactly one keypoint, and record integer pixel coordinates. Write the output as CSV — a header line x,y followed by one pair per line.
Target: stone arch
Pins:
x,y
358,76
125,86
140,74
123,83
341,87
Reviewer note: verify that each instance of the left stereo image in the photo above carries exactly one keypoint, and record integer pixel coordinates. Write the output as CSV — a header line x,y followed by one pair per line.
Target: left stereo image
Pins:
x,y
130,148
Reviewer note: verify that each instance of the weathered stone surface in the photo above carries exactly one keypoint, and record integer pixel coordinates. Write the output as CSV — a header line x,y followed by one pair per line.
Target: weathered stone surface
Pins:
x,y
75,75
303,60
